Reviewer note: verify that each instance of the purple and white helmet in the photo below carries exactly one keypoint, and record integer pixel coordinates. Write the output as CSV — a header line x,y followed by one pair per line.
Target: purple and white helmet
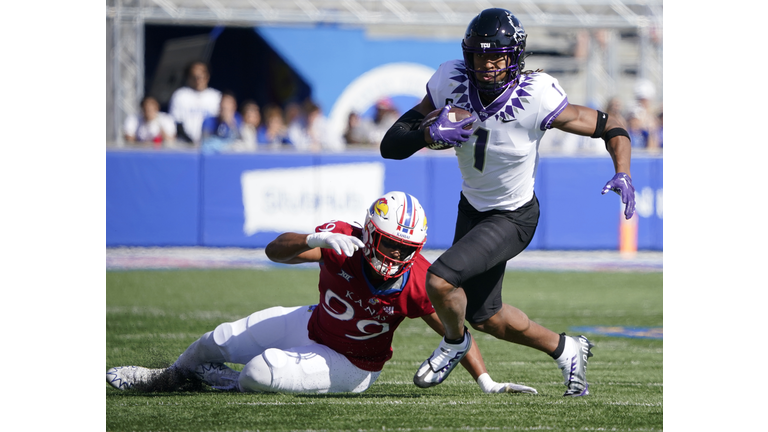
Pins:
x,y
495,31
395,221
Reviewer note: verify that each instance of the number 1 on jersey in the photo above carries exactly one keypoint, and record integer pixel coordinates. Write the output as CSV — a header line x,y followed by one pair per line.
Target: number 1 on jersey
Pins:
x,y
480,145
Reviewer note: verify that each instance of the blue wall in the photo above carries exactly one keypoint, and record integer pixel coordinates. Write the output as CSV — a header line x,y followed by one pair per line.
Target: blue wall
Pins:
x,y
329,58
190,199
153,199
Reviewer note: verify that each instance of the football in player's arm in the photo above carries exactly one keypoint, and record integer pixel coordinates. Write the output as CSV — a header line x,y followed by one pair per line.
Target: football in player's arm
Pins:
x,y
371,279
498,210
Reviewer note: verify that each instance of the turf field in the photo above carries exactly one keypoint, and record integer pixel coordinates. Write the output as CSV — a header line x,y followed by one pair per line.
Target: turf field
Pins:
x,y
152,316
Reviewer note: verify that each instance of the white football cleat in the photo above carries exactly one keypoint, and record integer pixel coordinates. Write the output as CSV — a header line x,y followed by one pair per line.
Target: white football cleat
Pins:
x,y
127,377
439,365
573,364
218,376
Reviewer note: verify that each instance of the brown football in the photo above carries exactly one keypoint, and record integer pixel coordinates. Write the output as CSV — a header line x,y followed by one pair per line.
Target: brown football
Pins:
x,y
455,114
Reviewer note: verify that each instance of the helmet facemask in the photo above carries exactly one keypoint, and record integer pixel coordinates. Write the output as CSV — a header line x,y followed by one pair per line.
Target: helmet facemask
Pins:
x,y
387,266
514,65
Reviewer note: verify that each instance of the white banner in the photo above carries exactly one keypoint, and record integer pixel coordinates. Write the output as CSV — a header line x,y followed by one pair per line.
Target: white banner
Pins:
x,y
299,199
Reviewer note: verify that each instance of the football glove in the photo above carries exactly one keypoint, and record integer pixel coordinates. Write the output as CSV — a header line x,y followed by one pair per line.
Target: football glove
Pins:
x,y
444,131
622,185
488,385
512,388
338,242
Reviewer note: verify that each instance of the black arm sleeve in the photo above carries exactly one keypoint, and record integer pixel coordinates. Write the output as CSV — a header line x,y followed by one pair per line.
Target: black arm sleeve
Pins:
x,y
404,137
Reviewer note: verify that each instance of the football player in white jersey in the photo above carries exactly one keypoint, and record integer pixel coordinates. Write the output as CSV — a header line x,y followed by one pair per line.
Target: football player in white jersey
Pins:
x,y
371,279
498,211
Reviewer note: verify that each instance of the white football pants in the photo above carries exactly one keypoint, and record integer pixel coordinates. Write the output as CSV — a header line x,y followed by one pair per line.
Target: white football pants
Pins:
x,y
278,355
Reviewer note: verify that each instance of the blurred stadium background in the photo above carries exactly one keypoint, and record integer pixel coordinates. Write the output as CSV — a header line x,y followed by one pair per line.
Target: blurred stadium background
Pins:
x,y
282,51
596,48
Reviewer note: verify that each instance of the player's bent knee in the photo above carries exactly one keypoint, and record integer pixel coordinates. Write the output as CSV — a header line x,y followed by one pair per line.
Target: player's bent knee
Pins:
x,y
256,375
498,320
438,285
484,326
260,373
222,334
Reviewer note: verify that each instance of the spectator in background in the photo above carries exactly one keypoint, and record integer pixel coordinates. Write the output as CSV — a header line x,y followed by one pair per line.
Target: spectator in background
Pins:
x,y
223,130
642,116
661,129
615,109
191,104
358,133
296,126
319,137
637,133
273,133
251,116
385,116
152,128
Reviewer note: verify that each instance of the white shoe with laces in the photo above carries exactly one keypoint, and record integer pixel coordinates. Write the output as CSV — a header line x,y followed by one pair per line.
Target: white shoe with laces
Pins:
x,y
127,377
439,365
573,364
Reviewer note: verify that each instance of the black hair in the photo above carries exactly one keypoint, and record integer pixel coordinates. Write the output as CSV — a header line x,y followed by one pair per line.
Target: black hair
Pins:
x,y
228,93
188,69
146,98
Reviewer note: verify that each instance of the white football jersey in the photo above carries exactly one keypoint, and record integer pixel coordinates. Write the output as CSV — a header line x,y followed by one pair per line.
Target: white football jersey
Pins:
x,y
190,107
499,161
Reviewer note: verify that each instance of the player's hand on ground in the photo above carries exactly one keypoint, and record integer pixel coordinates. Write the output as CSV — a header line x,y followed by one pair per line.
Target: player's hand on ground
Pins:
x,y
338,242
444,131
512,388
622,185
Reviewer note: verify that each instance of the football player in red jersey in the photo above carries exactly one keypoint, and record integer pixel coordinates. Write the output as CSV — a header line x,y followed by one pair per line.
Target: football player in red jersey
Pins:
x,y
371,279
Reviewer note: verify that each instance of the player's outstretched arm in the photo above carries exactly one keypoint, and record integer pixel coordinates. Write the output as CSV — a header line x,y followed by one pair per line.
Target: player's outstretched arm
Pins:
x,y
580,120
293,248
585,121
474,364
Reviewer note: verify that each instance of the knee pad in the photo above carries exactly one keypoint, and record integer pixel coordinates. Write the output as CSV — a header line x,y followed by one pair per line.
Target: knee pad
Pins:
x,y
222,333
258,374
225,338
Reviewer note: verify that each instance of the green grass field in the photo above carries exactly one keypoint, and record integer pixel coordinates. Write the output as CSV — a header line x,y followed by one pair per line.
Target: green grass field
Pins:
x,y
152,316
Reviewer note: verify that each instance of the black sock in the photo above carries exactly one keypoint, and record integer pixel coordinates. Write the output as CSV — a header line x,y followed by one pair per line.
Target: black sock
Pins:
x,y
560,347
456,341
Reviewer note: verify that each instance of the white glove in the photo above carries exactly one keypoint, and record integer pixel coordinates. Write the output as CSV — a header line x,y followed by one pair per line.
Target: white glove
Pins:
x,y
338,242
512,388
488,385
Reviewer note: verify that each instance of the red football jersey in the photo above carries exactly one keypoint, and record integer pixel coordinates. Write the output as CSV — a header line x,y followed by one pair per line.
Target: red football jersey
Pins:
x,y
350,317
